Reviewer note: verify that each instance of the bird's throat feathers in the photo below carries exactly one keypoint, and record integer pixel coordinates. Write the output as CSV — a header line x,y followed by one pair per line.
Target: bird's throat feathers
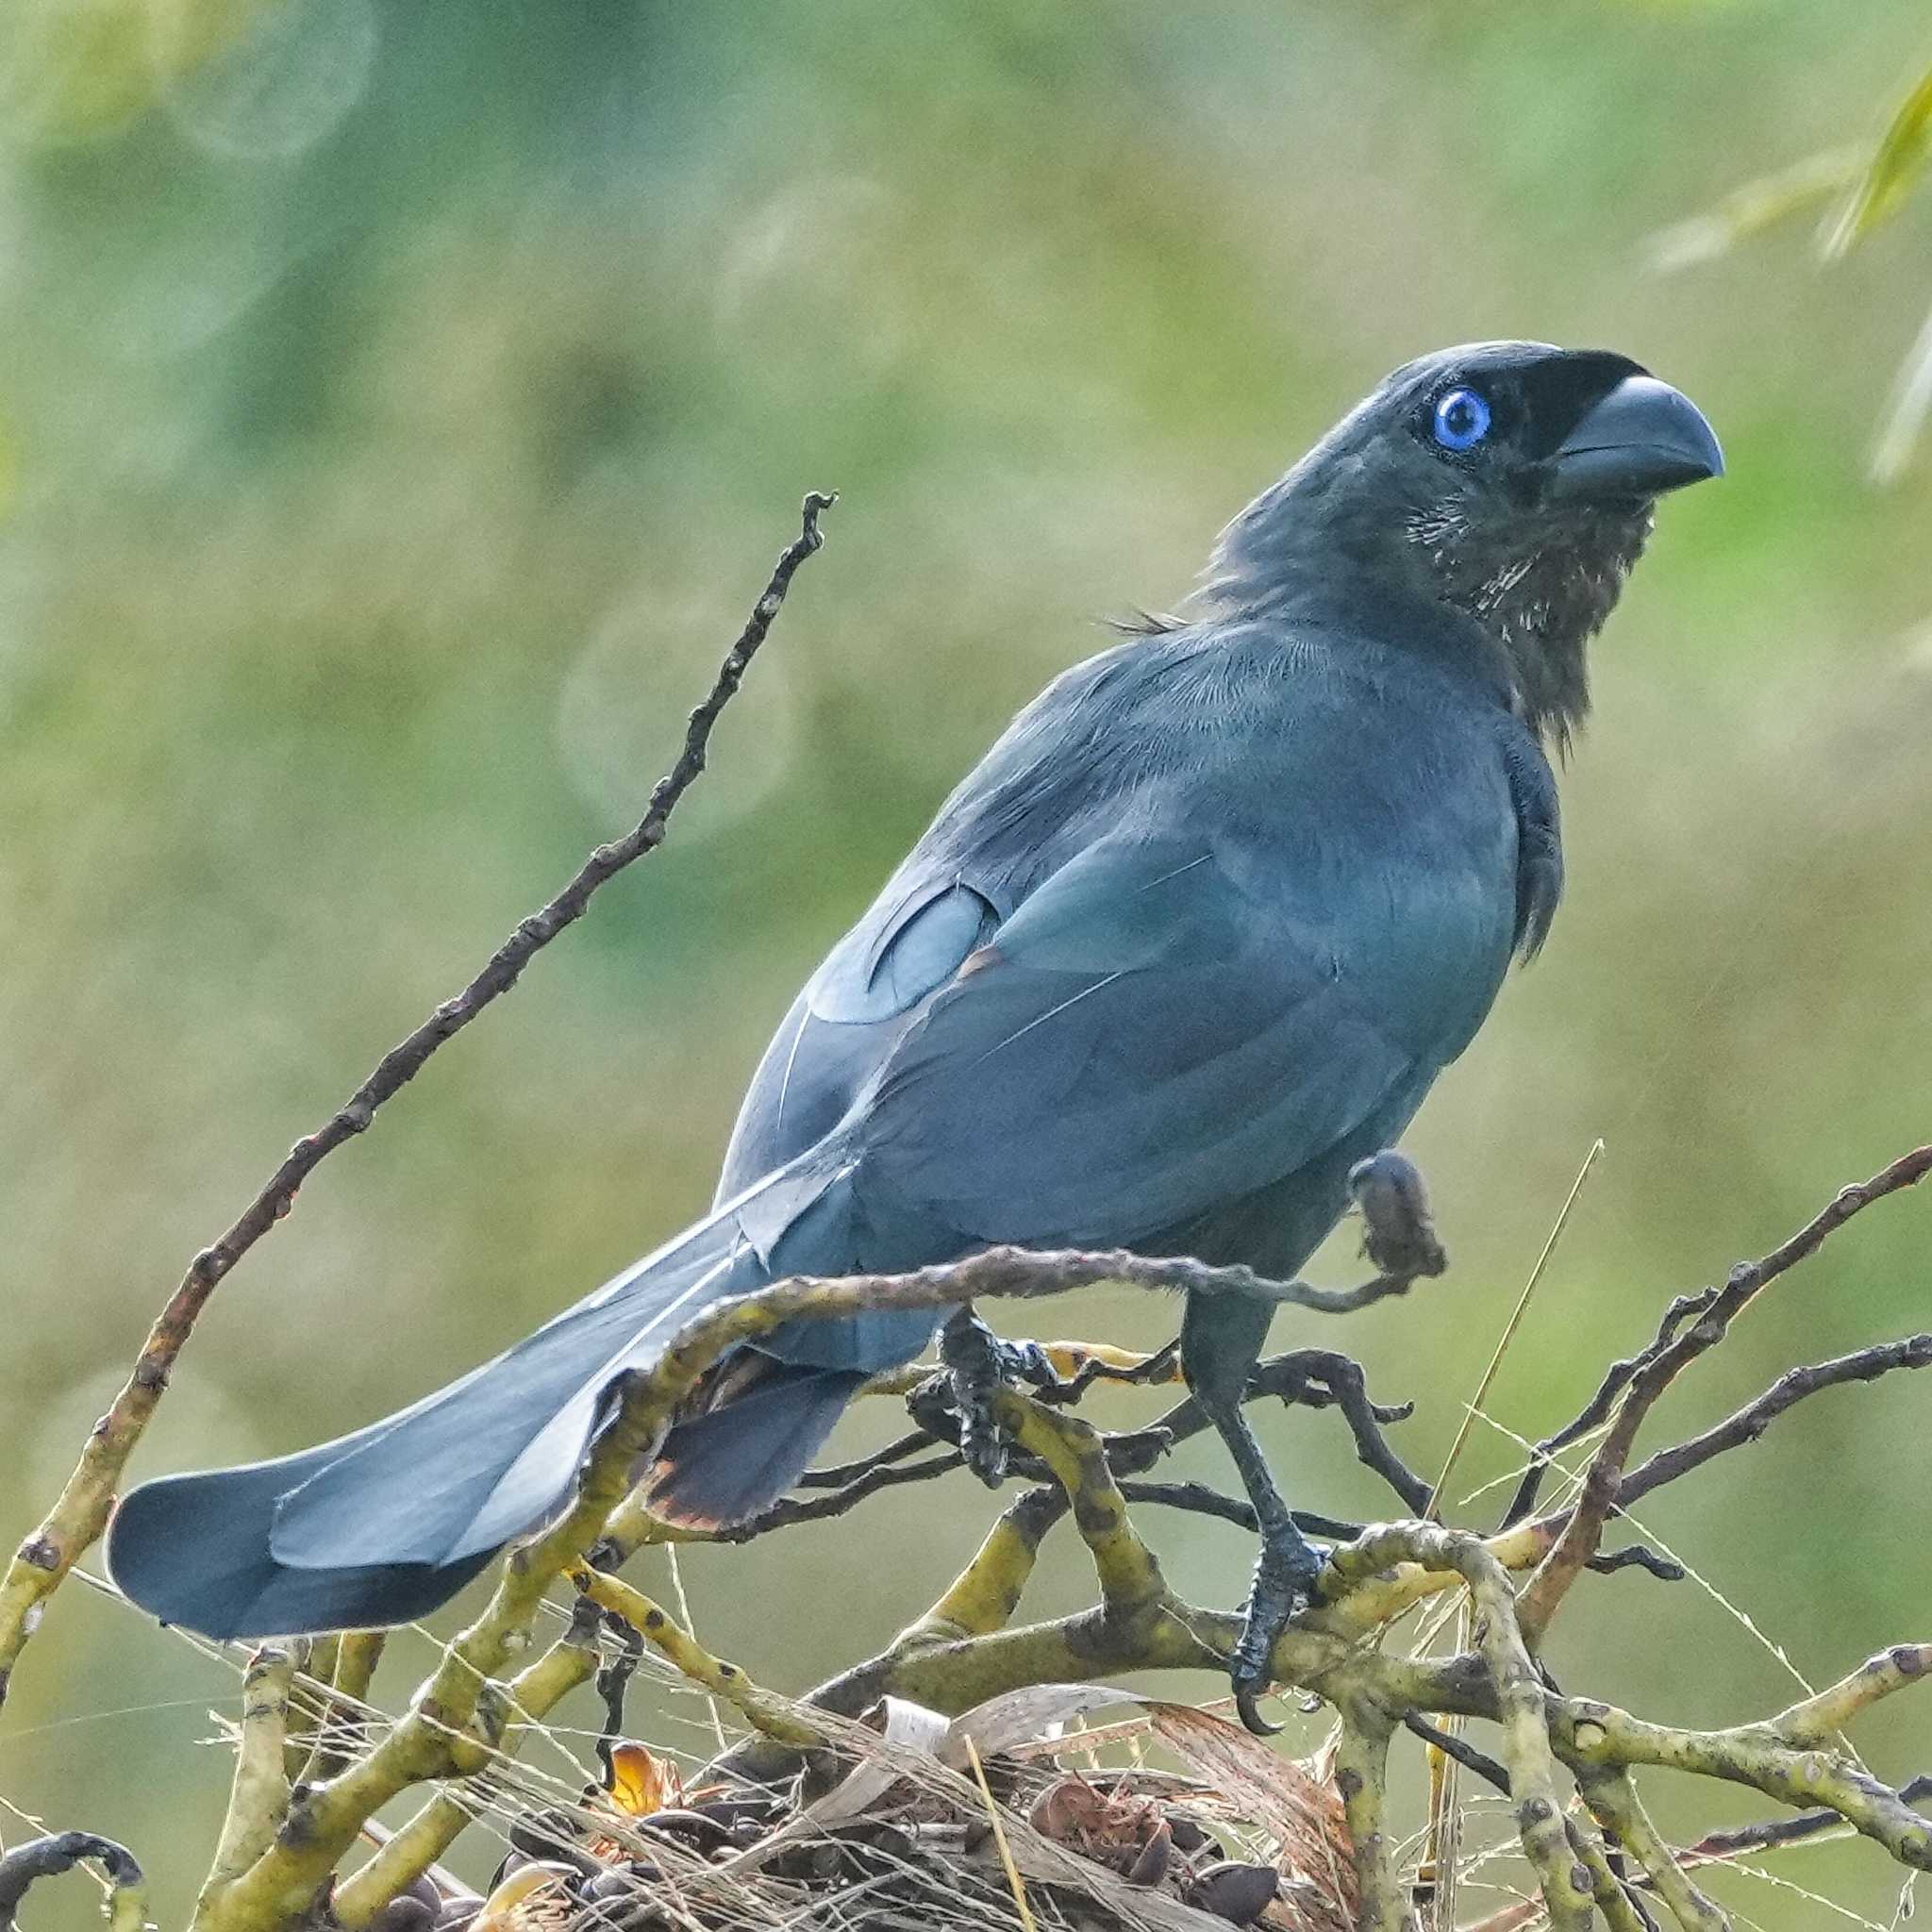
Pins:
x,y
1514,593
1538,600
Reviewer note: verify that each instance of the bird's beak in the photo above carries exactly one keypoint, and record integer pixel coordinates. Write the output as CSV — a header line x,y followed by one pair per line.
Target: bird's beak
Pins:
x,y
1640,440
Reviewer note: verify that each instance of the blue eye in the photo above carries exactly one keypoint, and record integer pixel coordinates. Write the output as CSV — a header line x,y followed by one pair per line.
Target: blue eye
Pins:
x,y
1462,419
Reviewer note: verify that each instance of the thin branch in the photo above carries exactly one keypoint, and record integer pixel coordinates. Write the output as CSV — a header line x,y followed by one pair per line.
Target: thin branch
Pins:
x,y
1015,1274
80,1514
880,1475
1774,1832
772,1716
835,1475
1362,1777
1584,1528
1453,1745
1612,1799
1750,1423
258,1796
1596,1411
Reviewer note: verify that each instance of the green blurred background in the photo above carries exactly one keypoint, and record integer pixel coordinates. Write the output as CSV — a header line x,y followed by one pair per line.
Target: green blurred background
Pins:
x,y
402,402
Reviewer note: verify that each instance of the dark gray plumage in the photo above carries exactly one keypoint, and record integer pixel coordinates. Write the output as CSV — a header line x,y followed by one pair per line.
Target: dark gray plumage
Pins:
x,y
1197,934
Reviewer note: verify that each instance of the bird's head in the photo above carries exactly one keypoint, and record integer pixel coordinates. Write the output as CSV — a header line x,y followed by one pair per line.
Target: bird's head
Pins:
x,y
1511,482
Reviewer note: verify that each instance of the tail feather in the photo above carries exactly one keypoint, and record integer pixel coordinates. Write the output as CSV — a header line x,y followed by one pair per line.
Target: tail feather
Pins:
x,y
380,1526
195,1550
735,1461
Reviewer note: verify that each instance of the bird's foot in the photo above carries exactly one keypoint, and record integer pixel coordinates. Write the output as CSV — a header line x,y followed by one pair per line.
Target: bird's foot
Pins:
x,y
1398,1233
1285,1583
979,1366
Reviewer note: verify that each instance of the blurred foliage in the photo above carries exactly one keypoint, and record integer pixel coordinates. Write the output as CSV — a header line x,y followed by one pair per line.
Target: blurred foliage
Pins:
x,y
1863,187
400,402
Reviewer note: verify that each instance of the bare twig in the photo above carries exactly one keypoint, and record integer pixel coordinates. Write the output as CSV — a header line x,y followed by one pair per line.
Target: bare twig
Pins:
x,y
835,1475
1597,1410
1774,1832
759,1708
258,1796
1361,1776
1749,1423
1453,1745
80,1514
48,1857
1612,1798
1584,1528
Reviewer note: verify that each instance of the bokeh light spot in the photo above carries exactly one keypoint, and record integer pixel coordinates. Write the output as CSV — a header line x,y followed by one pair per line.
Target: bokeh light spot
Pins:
x,y
281,80
620,714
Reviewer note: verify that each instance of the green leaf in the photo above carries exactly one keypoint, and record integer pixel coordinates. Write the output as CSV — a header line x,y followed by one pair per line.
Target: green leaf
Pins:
x,y
1896,165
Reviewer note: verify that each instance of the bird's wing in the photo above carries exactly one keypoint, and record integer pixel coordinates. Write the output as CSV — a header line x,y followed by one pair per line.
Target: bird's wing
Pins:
x,y
1160,1028
1013,820
852,1012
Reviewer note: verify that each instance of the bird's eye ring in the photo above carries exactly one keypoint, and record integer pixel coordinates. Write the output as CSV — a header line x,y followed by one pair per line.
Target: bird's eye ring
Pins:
x,y
1462,419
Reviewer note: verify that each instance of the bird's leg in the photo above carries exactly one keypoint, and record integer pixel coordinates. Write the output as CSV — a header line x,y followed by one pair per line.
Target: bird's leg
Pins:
x,y
1285,1573
979,1365
1220,1338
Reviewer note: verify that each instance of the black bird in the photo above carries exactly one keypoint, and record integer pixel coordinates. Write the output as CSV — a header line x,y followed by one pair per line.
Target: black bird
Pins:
x,y
1195,936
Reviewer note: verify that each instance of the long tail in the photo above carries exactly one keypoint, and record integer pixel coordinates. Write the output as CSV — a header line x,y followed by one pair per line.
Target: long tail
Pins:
x,y
729,1463
380,1526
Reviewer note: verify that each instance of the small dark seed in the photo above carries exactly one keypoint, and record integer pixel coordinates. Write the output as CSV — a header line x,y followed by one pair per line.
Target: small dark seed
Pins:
x,y
1150,1868
695,1827
407,1913
1237,1893
1188,1833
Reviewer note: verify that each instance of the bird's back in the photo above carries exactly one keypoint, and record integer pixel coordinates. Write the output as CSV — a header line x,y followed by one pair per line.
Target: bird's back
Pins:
x,y
1346,811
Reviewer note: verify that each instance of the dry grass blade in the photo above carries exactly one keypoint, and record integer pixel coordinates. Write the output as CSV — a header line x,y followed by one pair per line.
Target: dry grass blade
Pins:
x,y
1014,1881
1509,1328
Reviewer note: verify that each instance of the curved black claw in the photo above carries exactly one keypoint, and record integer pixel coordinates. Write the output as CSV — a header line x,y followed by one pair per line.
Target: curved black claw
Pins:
x,y
980,1365
1284,1582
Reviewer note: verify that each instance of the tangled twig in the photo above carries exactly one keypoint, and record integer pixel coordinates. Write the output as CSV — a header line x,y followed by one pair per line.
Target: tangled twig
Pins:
x,y
968,1648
